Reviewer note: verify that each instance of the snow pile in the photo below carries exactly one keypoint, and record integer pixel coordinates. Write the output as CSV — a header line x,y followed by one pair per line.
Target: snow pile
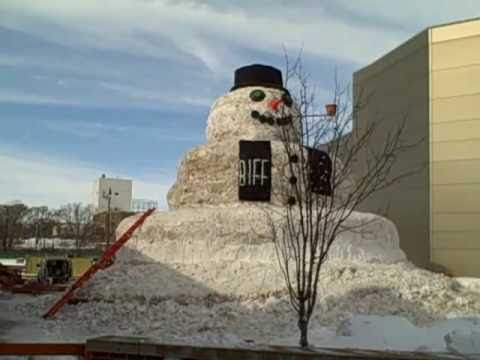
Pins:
x,y
225,250
397,289
377,306
395,333
465,341
370,289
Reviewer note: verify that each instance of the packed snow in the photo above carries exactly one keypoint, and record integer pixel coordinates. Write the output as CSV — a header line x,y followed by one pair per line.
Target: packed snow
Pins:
x,y
238,297
370,306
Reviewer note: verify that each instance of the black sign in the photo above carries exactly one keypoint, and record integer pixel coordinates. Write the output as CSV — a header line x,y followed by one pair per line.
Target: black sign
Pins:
x,y
255,171
320,166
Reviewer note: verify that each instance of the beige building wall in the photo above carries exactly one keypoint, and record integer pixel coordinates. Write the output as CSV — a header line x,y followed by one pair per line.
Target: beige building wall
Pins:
x,y
394,88
455,146
434,78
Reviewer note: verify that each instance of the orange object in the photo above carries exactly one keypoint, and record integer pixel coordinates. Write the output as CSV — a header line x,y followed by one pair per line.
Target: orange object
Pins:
x,y
274,104
99,265
331,109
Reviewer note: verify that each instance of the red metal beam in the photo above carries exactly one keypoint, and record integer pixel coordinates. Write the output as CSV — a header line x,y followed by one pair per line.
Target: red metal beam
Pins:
x,y
42,349
99,265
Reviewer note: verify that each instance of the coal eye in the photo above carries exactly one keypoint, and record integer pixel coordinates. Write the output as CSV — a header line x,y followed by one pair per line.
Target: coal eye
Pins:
x,y
257,95
287,99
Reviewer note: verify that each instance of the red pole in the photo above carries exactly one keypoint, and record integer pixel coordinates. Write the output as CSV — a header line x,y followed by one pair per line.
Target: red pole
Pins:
x,y
100,264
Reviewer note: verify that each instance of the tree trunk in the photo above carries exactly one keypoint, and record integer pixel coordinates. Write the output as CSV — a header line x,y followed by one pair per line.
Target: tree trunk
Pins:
x,y
12,235
303,326
37,238
11,240
7,233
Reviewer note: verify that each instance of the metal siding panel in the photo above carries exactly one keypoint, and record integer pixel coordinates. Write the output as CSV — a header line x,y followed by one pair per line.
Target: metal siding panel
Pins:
x,y
457,130
399,84
455,30
456,172
458,262
456,108
456,53
456,150
456,222
458,198
456,240
456,82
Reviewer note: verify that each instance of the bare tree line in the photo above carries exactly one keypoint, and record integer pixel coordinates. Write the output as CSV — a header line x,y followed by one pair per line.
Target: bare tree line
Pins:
x,y
70,221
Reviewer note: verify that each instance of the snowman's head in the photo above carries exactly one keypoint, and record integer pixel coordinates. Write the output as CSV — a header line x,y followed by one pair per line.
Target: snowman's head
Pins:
x,y
255,109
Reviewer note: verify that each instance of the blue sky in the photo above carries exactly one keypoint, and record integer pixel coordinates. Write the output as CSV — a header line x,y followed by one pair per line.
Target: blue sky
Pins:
x,y
124,87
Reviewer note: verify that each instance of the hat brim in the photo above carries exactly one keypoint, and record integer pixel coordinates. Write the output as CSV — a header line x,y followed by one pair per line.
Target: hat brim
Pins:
x,y
268,85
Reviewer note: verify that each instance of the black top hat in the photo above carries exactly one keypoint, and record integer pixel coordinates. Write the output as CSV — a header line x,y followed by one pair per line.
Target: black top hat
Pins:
x,y
258,75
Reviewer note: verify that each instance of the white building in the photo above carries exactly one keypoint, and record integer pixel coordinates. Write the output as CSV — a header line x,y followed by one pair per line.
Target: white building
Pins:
x,y
118,190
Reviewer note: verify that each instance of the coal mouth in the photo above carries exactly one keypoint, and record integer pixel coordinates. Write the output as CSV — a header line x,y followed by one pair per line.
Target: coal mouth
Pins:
x,y
271,120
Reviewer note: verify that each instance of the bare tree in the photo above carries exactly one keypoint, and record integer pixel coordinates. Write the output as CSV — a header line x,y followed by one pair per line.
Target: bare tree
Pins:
x,y
39,221
324,184
76,221
11,226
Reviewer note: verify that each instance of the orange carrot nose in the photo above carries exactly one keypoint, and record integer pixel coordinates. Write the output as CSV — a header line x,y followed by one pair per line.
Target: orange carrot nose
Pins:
x,y
274,104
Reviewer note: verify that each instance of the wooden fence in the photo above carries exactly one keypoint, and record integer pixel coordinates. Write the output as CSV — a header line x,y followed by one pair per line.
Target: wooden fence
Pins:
x,y
134,348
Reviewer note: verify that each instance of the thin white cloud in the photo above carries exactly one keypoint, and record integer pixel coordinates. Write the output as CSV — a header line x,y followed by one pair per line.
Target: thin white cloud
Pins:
x,y
91,129
95,129
135,97
220,36
18,97
198,30
146,94
414,14
209,33
42,180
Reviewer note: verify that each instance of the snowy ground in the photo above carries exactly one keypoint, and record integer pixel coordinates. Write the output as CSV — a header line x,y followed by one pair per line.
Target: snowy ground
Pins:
x,y
371,306
218,288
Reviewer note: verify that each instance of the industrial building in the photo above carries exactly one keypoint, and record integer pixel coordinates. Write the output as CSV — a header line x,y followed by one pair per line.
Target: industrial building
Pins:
x,y
112,193
433,81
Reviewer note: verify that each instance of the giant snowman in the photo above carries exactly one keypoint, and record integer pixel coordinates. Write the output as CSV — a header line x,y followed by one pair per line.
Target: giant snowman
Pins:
x,y
217,238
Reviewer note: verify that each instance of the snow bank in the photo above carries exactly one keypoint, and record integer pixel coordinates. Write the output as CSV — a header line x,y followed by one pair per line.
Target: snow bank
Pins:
x,y
419,296
464,341
376,306
396,333
226,251
211,277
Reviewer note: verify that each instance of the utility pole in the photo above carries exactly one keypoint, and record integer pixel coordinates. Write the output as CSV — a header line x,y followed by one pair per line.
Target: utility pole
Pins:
x,y
108,218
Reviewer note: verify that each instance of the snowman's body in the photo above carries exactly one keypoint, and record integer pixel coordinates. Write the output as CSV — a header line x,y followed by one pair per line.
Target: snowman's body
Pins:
x,y
210,174
209,230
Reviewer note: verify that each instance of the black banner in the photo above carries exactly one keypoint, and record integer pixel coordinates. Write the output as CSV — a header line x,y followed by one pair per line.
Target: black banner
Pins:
x,y
320,166
255,170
